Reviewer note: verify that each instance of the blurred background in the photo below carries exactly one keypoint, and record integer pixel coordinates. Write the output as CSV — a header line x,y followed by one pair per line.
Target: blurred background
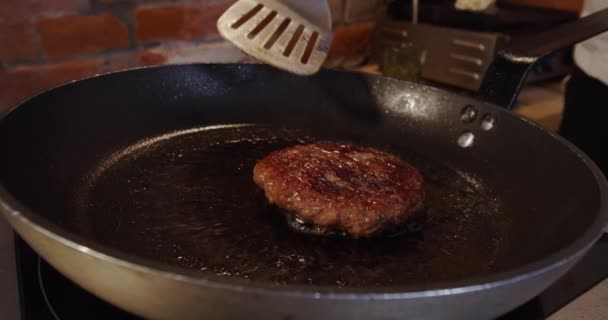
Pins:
x,y
44,43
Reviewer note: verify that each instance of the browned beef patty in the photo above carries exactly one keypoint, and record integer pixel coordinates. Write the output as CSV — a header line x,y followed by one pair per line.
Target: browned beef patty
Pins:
x,y
357,190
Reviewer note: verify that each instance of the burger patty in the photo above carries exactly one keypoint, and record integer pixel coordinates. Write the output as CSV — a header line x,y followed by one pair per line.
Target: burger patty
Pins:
x,y
357,190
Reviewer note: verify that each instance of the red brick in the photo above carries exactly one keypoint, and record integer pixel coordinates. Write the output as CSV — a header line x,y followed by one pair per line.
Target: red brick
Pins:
x,y
183,22
150,58
168,22
17,43
18,9
350,41
20,83
212,12
63,37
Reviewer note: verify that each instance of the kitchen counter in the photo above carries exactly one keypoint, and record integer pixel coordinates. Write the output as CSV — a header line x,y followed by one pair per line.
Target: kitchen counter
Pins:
x,y
590,306
542,103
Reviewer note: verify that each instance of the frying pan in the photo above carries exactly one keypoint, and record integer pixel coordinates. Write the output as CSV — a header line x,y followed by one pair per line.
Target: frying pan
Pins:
x,y
137,185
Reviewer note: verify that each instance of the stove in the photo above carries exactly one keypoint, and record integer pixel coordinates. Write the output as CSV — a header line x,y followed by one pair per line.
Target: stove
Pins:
x,y
44,294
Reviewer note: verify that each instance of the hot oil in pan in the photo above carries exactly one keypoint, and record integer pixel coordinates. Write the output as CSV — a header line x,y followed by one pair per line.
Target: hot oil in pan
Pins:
x,y
190,201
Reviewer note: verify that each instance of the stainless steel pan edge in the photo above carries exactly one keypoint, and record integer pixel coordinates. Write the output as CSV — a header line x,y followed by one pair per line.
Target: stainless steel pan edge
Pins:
x,y
191,297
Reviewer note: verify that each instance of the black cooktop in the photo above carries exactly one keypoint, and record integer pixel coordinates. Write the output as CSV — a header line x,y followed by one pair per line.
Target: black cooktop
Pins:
x,y
47,295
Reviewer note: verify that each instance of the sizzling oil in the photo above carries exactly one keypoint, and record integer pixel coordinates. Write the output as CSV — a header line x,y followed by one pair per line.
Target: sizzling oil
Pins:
x,y
190,201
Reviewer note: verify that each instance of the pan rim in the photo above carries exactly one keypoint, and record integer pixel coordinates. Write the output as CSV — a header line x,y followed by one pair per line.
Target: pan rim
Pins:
x,y
16,212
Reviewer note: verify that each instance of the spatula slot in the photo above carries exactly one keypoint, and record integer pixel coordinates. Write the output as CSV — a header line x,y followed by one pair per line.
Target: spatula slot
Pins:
x,y
277,33
293,41
309,47
262,25
247,16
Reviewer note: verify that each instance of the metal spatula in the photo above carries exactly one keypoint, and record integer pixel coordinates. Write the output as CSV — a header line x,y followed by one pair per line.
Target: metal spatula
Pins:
x,y
293,35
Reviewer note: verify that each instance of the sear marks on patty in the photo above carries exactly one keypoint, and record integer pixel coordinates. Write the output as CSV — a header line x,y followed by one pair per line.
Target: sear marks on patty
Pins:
x,y
357,190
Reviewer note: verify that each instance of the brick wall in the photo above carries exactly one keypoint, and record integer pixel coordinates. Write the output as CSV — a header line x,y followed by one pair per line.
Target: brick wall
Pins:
x,y
44,43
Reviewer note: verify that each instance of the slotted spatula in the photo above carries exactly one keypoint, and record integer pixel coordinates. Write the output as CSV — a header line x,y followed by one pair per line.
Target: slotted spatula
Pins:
x,y
293,35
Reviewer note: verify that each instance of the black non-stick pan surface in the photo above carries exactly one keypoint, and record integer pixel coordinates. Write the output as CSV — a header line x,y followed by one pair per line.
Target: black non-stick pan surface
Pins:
x,y
157,164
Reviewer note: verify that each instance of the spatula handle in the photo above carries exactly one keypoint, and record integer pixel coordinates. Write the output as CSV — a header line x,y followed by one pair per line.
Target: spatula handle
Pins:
x,y
511,65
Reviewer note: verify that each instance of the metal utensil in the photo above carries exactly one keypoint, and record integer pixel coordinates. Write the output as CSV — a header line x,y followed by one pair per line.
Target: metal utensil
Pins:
x,y
292,35
415,6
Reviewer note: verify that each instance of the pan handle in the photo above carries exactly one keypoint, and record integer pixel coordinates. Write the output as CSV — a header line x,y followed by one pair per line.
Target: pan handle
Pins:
x,y
511,65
